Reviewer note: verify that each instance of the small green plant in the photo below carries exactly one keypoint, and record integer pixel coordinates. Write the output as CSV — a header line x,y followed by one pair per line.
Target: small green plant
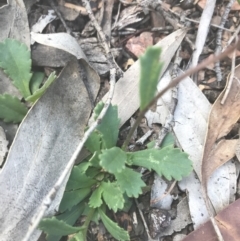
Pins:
x,y
107,179
16,62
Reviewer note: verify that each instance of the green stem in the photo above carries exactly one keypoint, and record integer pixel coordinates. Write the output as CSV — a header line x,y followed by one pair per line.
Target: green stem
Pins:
x,y
87,222
177,80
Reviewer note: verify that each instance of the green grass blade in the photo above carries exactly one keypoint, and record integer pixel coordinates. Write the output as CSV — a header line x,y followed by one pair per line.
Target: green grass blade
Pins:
x,y
150,71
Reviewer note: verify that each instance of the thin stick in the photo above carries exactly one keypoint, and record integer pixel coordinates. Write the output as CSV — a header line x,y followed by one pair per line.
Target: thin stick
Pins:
x,y
51,195
236,32
229,84
216,229
144,222
190,71
77,8
68,30
164,194
104,40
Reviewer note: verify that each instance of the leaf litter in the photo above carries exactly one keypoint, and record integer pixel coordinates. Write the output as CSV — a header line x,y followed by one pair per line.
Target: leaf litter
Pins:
x,y
224,147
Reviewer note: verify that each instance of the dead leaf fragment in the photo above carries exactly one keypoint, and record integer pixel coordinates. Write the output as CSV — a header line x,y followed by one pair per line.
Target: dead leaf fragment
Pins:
x,y
137,45
221,120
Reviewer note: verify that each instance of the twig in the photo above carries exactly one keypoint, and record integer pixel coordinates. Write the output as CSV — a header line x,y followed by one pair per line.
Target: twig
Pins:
x,y
51,195
236,32
117,16
196,21
77,8
144,137
144,222
229,84
203,29
167,127
164,194
68,30
219,39
190,71
216,229
104,40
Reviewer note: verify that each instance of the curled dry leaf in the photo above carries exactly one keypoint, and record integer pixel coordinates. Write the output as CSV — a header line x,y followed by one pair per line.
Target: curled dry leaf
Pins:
x,y
221,120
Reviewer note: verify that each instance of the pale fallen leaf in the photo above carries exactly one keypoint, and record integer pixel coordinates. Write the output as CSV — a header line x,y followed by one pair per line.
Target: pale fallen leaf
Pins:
x,y
158,197
221,120
45,142
14,22
42,22
203,29
63,41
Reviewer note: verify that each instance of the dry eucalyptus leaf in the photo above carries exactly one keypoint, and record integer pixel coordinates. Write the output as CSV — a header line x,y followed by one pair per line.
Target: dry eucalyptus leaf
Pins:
x,y
42,22
14,22
221,120
44,144
63,41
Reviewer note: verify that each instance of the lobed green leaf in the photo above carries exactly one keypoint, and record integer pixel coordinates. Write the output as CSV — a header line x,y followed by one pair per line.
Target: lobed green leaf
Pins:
x,y
97,110
94,160
53,226
113,160
72,198
150,71
109,127
130,182
16,62
69,217
93,142
12,109
169,162
113,228
112,195
169,140
95,200
78,178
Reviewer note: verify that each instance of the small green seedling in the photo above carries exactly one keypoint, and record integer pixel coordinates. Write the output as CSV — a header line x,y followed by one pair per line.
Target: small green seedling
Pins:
x,y
107,179
16,62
